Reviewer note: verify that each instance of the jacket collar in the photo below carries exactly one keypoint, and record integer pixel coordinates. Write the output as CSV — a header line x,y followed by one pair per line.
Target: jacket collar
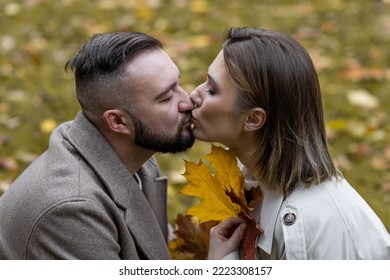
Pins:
x,y
125,192
267,215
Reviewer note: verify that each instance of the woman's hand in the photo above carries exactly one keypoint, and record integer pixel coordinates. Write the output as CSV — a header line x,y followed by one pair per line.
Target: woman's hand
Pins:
x,y
225,238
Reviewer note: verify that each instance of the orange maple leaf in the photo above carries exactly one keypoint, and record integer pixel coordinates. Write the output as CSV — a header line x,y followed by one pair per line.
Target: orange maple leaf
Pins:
x,y
192,239
221,193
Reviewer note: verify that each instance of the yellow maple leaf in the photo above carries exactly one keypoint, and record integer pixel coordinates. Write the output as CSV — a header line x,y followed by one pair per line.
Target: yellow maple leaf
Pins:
x,y
220,189
227,172
211,188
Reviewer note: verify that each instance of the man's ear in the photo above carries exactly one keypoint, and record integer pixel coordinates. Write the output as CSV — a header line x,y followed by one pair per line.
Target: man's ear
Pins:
x,y
255,119
117,121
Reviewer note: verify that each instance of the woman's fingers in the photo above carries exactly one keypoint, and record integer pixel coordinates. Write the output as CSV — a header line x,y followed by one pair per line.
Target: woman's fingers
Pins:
x,y
226,237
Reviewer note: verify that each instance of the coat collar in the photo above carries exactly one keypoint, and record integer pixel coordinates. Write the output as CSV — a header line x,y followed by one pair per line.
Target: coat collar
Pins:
x,y
267,215
125,192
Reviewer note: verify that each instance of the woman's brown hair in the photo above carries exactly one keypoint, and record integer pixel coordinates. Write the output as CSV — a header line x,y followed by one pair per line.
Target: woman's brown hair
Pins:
x,y
273,71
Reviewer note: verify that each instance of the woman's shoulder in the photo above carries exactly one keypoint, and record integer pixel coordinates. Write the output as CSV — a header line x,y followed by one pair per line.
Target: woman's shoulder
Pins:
x,y
330,201
334,189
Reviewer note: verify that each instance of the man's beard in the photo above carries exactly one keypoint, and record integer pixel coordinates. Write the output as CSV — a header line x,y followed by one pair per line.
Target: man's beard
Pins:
x,y
146,138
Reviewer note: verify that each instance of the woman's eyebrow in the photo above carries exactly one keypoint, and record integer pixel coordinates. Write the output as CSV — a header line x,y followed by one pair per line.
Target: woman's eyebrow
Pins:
x,y
213,80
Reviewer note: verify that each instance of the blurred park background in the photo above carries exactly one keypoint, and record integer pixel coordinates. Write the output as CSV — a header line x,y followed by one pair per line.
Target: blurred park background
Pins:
x,y
348,42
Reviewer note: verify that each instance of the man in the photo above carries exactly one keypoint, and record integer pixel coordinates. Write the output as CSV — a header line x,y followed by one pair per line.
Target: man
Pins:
x,y
96,193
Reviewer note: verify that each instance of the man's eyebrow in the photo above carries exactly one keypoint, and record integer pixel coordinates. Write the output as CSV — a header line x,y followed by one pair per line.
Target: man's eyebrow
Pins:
x,y
168,88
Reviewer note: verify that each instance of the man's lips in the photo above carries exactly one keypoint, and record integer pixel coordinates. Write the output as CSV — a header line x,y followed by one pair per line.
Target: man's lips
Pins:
x,y
187,121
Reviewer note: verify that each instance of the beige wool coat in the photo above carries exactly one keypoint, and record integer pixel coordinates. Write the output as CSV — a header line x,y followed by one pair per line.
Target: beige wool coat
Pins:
x,y
79,201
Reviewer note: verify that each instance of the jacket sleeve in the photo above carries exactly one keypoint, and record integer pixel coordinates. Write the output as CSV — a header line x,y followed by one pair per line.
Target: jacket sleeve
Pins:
x,y
75,229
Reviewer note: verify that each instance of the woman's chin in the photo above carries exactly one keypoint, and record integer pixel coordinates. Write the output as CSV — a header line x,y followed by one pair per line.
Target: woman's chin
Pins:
x,y
200,136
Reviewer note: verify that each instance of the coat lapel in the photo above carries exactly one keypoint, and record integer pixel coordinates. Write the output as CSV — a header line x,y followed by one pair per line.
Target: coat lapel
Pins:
x,y
144,227
123,188
155,191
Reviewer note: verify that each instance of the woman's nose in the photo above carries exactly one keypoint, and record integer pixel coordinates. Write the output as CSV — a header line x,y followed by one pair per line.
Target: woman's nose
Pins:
x,y
196,98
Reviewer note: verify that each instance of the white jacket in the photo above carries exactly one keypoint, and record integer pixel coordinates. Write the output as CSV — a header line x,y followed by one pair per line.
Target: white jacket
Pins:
x,y
327,221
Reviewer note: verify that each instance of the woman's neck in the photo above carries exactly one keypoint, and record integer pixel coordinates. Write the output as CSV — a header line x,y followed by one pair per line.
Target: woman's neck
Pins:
x,y
247,158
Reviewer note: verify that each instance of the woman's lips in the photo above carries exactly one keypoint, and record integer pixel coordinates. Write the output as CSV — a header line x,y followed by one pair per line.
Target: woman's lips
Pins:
x,y
193,122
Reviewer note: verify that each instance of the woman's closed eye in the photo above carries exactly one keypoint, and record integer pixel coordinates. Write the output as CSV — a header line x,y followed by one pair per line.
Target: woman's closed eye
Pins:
x,y
211,91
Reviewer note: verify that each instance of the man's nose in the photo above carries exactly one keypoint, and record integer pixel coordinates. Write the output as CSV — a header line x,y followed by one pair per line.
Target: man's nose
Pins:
x,y
185,103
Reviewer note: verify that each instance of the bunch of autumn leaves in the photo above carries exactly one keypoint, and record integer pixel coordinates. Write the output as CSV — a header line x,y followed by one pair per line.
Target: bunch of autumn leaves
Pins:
x,y
220,189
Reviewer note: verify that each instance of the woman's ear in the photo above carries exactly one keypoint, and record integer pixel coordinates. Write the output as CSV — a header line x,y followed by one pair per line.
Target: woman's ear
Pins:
x,y
116,121
255,119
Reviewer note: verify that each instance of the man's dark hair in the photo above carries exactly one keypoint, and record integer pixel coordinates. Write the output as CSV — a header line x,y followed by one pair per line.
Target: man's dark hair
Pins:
x,y
99,66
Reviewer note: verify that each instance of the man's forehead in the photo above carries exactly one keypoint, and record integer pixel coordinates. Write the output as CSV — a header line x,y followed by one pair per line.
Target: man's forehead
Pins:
x,y
153,71
150,63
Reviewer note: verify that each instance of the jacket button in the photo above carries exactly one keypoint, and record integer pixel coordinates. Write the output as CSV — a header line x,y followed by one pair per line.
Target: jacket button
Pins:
x,y
289,219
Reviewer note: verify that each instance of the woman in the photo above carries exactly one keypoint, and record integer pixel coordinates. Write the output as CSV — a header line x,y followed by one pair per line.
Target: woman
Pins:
x,y
262,99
